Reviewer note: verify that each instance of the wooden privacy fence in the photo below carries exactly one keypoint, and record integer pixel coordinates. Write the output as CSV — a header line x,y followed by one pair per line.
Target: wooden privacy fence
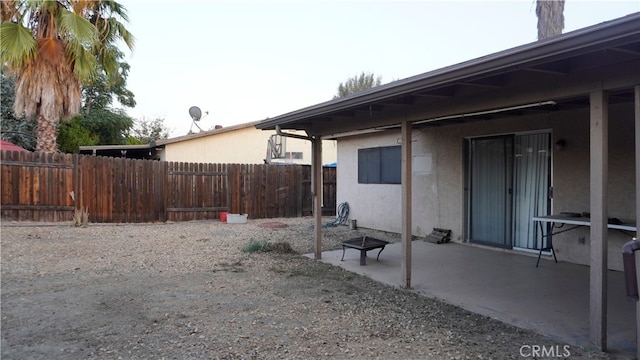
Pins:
x,y
51,187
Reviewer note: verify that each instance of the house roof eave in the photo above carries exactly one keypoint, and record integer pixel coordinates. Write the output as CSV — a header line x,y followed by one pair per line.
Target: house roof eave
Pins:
x,y
589,39
213,132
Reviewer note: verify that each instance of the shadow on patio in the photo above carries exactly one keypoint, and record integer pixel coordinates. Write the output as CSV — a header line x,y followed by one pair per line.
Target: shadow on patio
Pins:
x,y
552,299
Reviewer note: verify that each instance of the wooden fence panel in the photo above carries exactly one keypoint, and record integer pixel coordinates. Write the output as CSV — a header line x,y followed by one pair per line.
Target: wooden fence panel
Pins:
x,y
260,176
6,181
25,191
253,188
246,171
39,187
272,195
329,190
96,207
36,187
119,191
234,181
280,191
195,191
306,193
144,192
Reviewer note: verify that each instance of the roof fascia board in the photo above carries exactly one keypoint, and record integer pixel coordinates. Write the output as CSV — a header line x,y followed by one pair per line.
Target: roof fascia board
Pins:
x,y
116,147
614,78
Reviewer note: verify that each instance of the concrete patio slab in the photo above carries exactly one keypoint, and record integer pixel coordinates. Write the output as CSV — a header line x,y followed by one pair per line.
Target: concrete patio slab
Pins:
x,y
552,299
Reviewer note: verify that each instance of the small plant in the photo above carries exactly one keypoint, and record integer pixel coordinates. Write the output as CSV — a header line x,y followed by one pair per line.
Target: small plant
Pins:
x,y
282,247
278,270
255,246
81,217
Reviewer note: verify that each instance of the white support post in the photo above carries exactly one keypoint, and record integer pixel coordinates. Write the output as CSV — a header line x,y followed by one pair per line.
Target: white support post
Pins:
x,y
316,190
406,204
598,205
637,124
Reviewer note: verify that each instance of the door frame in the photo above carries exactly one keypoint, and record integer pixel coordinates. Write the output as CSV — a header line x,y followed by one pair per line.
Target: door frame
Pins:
x,y
466,171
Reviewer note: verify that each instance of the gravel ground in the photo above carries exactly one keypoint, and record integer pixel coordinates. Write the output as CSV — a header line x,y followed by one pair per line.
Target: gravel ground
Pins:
x,y
189,291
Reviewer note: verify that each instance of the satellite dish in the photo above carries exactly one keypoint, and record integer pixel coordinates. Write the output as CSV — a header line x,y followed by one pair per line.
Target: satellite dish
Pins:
x,y
195,113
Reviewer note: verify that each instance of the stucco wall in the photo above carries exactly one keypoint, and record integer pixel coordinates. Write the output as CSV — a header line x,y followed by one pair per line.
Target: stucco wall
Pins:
x,y
246,145
375,206
438,190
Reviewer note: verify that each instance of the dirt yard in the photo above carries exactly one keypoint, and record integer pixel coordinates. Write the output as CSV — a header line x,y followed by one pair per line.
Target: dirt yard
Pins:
x,y
189,291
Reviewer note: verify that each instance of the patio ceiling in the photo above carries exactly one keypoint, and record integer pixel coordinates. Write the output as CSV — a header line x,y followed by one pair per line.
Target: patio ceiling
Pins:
x,y
548,75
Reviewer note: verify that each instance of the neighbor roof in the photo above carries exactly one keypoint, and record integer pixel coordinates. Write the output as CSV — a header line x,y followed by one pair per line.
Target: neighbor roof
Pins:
x,y
143,151
206,133
9,146
549,55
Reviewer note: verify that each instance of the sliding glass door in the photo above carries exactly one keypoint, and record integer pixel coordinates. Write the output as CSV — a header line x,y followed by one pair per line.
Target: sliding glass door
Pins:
x,y
532,176
491,168
508,182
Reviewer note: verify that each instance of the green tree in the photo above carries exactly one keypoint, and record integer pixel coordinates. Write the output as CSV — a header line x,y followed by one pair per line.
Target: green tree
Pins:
x,y
100,92
147,131
73,134
358,83
52,47
112,126
550,15
18,131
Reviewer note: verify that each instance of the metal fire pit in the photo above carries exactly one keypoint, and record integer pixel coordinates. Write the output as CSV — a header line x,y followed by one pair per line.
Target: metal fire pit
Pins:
x,y
364,244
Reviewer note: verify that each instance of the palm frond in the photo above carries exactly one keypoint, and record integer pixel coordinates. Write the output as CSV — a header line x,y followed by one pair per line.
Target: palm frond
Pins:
x,y
126,36
17,44
111,30
111,8
77,28
83,60
109,57
47,87
51,50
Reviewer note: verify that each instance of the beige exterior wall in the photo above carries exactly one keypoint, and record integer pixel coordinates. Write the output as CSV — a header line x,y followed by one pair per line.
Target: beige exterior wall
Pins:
x,y
239,144
438,171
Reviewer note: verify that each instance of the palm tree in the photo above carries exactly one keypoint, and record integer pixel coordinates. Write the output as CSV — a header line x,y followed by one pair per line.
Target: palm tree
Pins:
x,y
550,18
51,48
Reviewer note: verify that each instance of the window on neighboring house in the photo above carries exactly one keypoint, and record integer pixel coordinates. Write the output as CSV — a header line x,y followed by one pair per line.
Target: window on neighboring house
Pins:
x,y
379,165
293,155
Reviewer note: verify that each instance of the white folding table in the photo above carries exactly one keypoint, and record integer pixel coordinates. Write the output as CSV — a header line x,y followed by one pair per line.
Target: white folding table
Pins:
x,y
559,221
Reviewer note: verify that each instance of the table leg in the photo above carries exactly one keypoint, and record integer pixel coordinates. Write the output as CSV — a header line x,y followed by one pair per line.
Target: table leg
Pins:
x,y
539,255
542,243
548,239
342,254
363,257
378,258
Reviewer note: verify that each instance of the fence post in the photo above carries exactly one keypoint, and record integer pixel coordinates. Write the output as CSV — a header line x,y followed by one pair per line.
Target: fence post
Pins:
x,y
160,198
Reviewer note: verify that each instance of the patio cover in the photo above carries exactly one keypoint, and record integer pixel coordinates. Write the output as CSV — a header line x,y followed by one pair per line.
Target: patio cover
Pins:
x,y
587,68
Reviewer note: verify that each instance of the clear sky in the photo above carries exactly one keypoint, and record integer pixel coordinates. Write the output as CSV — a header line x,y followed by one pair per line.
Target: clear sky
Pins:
x,y
246,60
